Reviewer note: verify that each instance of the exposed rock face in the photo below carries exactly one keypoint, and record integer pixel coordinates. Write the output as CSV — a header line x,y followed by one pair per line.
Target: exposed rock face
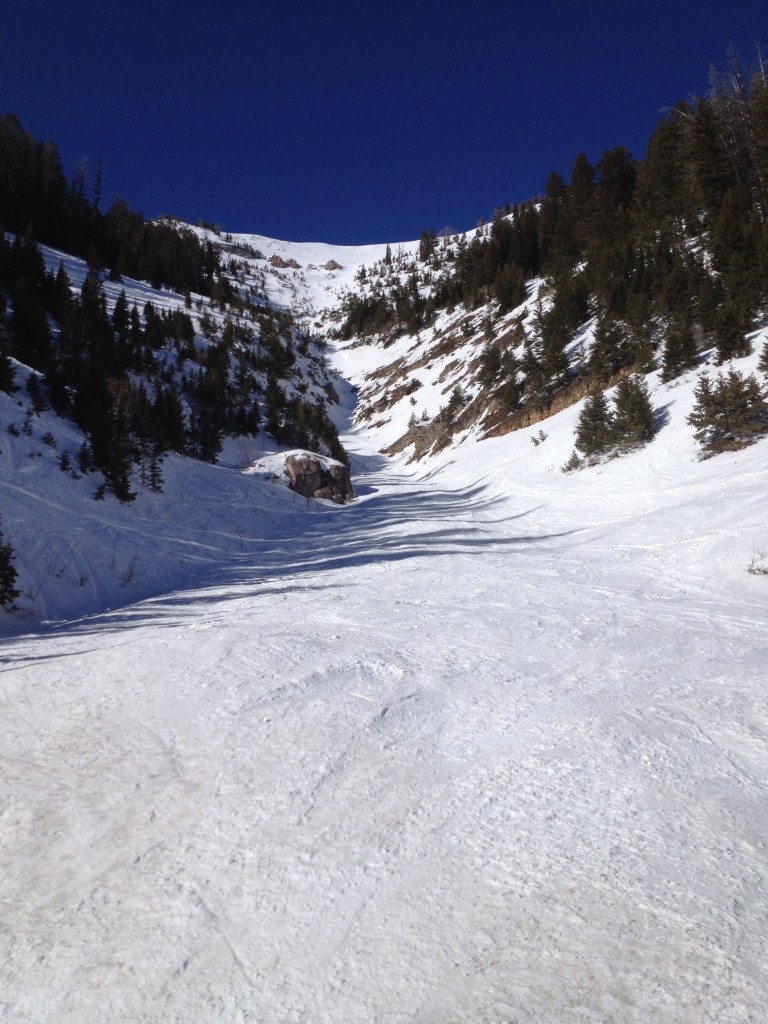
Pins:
x,y
332,265
281,264
309,477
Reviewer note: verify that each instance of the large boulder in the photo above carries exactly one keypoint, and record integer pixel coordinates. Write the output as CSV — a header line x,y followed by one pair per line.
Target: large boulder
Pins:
x,y
316,477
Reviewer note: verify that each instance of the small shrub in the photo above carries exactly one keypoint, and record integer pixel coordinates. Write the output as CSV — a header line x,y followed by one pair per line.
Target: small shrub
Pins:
x,y
573,463
759,564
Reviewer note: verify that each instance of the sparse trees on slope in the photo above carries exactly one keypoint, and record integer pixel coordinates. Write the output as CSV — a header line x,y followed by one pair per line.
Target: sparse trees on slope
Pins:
x,y
732,410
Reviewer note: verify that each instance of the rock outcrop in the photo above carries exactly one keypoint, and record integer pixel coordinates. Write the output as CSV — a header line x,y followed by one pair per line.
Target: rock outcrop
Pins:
x,y
281,264
313,477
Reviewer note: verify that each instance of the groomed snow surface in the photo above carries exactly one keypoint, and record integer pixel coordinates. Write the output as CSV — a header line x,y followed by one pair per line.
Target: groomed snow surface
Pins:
x,y
487,745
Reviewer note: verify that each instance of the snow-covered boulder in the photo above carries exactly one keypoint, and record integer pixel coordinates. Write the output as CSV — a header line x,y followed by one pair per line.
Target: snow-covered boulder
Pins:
x,y
307,473
314,476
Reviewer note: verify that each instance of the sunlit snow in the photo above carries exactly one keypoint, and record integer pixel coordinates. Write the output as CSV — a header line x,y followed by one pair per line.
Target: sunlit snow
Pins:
x,y
487,745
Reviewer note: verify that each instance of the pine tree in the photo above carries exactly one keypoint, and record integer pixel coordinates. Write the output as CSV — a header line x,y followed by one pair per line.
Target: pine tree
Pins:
x,y
456,403
29,326
7,372
8,575
730,328
611,349
427,245
490,365
679,351
594,431
733,409
155,470
633,421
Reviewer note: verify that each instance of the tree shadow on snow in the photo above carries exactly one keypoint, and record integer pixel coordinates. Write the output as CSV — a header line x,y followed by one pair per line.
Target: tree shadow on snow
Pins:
x,y
393,525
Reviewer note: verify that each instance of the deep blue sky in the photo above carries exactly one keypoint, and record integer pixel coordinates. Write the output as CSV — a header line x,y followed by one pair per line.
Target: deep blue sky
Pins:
x,y
352,121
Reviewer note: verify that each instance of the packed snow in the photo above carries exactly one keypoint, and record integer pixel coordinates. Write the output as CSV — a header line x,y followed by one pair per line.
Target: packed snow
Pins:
x,y
487,745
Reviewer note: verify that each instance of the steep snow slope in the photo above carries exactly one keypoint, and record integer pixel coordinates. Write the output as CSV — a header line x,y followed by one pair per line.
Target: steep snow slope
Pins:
x,y
487,745
75,555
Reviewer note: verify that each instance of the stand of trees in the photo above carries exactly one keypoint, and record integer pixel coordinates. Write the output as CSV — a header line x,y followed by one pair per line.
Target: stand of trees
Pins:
x,y
138,382
668,254
37,198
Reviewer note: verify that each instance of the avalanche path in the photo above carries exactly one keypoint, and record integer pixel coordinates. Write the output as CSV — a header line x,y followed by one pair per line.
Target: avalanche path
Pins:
x,y
445,755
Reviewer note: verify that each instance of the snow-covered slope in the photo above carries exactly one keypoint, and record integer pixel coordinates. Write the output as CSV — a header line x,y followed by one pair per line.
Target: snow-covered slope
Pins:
x,y
488,745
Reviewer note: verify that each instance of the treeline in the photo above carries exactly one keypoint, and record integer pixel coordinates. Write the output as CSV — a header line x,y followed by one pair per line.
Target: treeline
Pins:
x,y
669,255
141,383
36,196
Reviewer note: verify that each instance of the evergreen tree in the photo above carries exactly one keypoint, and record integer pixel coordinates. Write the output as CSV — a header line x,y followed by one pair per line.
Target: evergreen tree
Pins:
x,y
730,328
611,349
29,325
456,403
7,372
427,245
633,421
8,575
594,431
733,409
490,365
680,351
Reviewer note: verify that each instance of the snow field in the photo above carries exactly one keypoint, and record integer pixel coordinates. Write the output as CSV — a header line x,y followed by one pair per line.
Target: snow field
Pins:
x,y
487,745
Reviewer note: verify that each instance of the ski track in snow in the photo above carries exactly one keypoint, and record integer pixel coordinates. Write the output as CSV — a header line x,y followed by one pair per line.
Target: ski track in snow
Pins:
x,y
409,783
487,746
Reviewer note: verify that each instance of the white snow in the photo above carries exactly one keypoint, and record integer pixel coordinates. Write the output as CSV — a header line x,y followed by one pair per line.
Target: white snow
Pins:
x,y
487,745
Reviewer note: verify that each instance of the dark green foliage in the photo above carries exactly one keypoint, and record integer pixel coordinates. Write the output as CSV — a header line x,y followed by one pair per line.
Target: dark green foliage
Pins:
x,y
29,325
7,372
84,458
611,349
671,250
730,328
456,403
601,430
763,364
34,191
510,394
427,245
731,410
151,467
8,575
508,288
594,432
368,315
573,463
680,351
633,420
490,364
